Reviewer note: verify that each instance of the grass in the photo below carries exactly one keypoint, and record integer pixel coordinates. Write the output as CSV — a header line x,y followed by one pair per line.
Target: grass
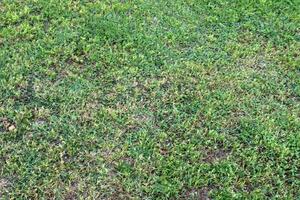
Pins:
x,y
180,99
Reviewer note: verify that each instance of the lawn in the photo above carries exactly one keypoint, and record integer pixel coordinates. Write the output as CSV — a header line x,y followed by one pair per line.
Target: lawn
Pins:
x,y
149,99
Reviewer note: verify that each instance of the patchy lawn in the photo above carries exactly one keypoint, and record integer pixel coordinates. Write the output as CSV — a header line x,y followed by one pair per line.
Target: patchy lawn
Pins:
x,y
156,99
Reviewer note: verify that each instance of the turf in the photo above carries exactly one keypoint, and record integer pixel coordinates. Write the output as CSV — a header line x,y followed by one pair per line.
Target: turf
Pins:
x,y
158,99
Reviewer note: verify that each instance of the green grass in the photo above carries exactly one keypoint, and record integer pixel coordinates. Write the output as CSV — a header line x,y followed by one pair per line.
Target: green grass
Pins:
x,y
149,99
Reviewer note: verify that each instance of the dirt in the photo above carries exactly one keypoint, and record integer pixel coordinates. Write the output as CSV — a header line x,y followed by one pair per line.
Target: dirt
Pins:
x,y
215,155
